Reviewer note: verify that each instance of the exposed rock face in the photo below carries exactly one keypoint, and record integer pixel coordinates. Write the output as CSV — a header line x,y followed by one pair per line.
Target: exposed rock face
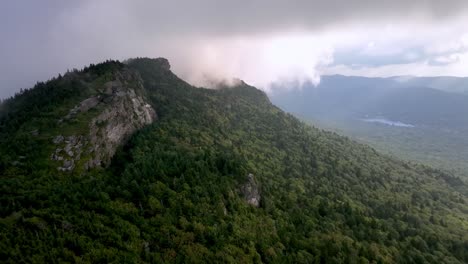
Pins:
x,y
70,153
123,110
251,191
84,106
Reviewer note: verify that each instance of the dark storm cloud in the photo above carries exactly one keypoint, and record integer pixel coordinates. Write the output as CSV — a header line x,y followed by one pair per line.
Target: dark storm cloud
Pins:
x,y
42,38
259,16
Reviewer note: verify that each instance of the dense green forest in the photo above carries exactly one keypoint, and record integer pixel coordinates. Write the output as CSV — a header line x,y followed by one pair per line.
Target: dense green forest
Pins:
x,y
173,192
422,145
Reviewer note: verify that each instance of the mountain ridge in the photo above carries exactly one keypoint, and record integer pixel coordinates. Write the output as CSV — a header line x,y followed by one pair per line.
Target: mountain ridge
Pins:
x,y
186,187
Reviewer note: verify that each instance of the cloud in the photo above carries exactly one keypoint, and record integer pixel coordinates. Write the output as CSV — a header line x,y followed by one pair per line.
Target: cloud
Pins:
x,y
441,66
449,59
260,41
259,61
216,17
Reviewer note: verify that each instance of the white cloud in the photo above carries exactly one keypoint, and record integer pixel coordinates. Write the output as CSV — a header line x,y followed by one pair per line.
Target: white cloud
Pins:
x,y
262,59
451,45
411,56
456,66
449,59
260,41
259,61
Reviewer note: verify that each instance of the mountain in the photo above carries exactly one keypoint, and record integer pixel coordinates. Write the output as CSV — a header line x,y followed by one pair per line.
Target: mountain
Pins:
x,y
127,163
417,122
443,83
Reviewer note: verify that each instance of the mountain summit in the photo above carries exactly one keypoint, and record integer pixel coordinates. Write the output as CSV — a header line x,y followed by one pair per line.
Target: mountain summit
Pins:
x,y
125,162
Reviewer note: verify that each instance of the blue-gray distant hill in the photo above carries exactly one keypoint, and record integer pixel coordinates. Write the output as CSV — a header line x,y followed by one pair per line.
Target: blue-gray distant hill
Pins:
x,y
421,118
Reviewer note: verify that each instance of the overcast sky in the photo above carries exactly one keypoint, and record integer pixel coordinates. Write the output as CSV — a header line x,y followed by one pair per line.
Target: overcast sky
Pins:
x,y
259,41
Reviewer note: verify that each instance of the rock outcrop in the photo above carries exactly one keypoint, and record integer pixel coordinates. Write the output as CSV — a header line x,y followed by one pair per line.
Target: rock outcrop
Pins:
x,y
251,191
84,106
122,110
69,153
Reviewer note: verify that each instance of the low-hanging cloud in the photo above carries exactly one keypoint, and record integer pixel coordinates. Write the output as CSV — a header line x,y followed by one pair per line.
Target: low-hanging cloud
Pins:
x,y
260,41
259,61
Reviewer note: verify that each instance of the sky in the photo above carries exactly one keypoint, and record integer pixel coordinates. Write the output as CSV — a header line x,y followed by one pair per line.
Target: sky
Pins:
x,y
259,41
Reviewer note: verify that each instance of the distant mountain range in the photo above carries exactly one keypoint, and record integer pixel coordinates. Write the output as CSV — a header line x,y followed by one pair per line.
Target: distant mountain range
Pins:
x,y
443,83
434,111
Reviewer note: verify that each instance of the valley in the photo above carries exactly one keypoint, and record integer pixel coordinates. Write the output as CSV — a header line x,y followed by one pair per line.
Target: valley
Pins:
x,y
415,123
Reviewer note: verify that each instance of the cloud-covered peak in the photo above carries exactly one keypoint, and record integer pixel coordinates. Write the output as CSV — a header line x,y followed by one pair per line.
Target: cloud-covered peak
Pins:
x,y
261,41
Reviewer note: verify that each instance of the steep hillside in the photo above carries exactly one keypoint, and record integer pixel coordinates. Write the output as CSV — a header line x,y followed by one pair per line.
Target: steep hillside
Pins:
x,y
73,122
220,176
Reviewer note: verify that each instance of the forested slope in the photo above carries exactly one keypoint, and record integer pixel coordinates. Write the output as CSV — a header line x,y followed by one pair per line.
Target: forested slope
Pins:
x,y
178,190
437,131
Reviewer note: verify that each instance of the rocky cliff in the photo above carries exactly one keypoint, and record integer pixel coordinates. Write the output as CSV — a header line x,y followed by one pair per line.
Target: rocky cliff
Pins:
x,y
119,109
250,191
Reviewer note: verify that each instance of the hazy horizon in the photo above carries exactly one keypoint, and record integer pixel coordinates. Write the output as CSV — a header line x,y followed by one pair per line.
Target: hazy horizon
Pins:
x,y
261,42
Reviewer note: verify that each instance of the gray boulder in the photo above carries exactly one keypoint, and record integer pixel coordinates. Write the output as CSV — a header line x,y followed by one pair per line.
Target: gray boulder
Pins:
x,y
251,191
